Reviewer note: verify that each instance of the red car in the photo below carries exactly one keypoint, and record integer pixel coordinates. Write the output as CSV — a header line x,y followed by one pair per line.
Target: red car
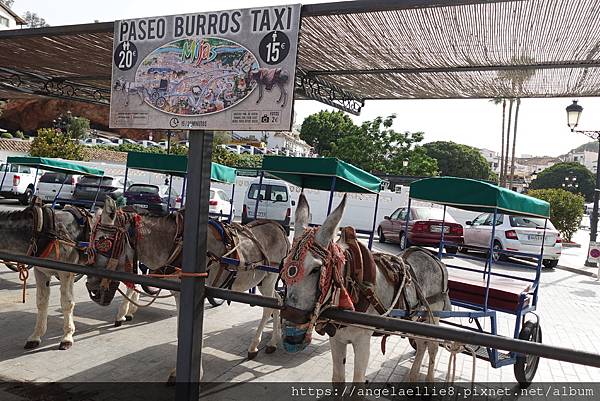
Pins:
x,y
424,228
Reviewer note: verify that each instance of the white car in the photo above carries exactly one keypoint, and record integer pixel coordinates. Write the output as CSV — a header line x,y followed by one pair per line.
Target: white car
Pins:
x,y
97,141
219,203
18,182
149,144
516,234
50,183
275,202
123,141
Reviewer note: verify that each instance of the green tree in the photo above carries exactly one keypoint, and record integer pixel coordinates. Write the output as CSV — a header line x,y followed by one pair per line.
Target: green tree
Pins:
x,y
77,127
555,177
376,147
457,160
321,130
227,158
566,209
51,143
7,3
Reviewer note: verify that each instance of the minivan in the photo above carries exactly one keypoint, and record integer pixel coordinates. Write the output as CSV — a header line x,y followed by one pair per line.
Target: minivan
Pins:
x,y
275,202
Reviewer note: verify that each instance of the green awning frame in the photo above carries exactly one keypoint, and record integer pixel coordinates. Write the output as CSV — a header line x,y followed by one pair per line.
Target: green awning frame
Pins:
x,y
478,196
56,165
176,165
317,173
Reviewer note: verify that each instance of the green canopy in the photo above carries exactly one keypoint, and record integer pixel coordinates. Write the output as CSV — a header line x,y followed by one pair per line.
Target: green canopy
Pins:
x,y
175,165
465,193
57,165
317,173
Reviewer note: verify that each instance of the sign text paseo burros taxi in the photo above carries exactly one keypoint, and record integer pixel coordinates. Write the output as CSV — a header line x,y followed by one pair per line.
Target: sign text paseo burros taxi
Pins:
x,y
220,70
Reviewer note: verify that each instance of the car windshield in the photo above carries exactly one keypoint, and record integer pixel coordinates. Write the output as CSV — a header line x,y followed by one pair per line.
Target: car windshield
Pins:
x,y
529,222
55,178
147,189
13,168
431,214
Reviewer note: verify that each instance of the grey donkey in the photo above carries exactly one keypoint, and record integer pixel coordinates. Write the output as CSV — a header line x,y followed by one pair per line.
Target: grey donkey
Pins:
x,y
154,249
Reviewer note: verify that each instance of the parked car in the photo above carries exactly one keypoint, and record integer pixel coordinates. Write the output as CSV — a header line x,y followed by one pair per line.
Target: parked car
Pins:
x,y
219,203
275,202
163,144
87,187
97,141
515,233
184,143
18,182
424,228
148,144
50,184
123,141
234,148
153,198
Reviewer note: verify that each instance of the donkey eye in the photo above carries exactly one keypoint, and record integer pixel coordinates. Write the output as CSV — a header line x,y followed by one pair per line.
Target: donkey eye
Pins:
x,y
315,270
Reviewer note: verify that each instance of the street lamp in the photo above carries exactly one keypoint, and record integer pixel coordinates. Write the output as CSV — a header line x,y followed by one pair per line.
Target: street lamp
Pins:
x,y
573,115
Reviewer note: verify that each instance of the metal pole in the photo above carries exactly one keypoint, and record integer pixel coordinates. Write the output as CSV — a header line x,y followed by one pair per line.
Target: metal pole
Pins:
x,y
125,181
169,195
538,271
331,193
168,142
37,170
407,217
231,208
97,192
594,222
4,176
490,261
183,191
260,181
191,312
374,221
441,247
59,189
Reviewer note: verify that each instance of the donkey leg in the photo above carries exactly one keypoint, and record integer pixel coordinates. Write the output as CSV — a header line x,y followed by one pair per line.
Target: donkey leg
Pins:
x,y
42,295
416,366
362,352
67,303
338,355
123,310
432,350
267,288
135,297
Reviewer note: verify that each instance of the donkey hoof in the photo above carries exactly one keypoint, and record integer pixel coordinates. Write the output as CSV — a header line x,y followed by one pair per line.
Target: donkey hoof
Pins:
x,y
171,380
252,355
64,345
128,318
118,323
32,344
270,349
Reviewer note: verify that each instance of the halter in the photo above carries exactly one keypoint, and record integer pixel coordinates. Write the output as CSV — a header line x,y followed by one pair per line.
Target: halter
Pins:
x,y
332,291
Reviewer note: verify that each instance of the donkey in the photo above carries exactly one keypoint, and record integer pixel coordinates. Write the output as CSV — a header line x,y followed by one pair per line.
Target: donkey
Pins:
x,y
155,249
44,232
311,286
267,78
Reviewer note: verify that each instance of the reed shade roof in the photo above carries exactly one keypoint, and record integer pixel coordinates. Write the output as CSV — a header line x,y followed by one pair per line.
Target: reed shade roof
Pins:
x,y
381,49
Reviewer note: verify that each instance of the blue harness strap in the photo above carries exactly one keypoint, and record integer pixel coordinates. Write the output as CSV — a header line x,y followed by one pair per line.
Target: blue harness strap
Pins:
x,y
219,226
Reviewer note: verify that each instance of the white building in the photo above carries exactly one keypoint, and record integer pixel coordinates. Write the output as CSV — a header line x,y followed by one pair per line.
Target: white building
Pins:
x,y
278,140
586,158
493,158
9,19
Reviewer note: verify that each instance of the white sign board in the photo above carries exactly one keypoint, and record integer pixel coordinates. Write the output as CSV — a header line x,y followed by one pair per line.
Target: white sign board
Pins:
x,y
226,70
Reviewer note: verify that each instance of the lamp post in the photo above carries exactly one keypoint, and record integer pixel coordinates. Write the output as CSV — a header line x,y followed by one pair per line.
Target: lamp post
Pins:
x,y
573,115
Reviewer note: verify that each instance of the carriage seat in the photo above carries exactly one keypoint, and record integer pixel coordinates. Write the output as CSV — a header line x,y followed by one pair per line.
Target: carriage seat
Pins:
x,y
504,294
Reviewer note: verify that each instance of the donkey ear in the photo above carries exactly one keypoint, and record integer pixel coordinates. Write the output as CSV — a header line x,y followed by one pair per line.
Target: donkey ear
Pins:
x,y
329,228
302,216
110,208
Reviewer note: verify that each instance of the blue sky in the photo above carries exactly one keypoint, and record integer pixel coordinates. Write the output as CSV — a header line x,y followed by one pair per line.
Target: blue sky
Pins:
x,y
542,122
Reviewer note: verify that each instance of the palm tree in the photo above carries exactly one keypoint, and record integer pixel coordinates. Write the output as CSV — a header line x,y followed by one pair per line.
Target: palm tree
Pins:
x,y
496,101
510,109
512,162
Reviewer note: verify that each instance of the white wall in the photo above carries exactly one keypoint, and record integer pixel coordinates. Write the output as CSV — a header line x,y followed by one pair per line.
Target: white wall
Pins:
x,y
11,21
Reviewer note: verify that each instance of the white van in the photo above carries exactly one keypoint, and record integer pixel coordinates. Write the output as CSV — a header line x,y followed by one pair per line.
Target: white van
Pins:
x,y
275,202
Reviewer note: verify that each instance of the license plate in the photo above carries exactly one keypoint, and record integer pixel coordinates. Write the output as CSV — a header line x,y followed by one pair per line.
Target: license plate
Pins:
x,y
140,205
438,229
535,237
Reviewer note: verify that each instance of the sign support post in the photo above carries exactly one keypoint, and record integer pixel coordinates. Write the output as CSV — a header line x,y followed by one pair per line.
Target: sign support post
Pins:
x,y
191,304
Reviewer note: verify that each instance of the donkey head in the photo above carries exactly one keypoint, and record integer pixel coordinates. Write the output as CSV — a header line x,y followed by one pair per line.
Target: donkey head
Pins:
x,y
302,273
113,248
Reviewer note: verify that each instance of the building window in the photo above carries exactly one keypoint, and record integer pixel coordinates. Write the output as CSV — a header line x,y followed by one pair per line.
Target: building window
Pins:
x,y
3,21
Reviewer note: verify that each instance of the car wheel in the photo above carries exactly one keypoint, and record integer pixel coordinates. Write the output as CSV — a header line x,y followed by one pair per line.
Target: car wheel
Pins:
x,y
452,249
496,255
381,236
404,243
25,199
550,263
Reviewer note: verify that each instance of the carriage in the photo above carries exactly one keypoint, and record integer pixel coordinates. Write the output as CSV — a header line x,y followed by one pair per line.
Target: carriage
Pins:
x,y
484,293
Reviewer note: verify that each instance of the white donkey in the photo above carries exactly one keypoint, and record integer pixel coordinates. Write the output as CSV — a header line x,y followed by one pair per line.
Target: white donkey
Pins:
x,y
316,277
41,231
154,248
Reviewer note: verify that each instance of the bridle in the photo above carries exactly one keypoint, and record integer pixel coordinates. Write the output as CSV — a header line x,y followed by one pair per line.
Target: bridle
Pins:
x,y
110,241
331,291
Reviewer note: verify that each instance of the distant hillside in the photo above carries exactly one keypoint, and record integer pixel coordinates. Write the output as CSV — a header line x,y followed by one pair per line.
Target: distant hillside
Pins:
x,y
590,146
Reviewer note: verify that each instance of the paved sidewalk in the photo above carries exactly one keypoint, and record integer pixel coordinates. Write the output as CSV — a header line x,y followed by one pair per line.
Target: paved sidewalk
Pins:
x,y
145,349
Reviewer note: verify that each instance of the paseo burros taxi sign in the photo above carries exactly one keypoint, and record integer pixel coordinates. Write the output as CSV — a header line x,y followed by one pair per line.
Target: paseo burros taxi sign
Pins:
x,y
220,70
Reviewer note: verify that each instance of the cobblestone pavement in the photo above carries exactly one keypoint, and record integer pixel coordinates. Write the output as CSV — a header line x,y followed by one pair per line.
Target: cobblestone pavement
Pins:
x,y
145,348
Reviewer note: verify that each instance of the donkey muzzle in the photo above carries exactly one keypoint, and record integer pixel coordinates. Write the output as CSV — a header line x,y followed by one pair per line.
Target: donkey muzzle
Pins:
x,y
295,315
295,338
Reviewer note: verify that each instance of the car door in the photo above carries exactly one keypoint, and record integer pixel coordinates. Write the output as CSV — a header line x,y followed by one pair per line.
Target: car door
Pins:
x,y
473,233
485,235
386,224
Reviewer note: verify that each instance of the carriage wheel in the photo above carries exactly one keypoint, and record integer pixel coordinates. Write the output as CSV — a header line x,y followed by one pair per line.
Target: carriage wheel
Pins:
x,y
526,365
161,102
215,301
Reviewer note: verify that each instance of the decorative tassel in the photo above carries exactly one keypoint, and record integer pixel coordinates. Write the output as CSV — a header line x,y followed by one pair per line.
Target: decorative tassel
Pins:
x,y
345,302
